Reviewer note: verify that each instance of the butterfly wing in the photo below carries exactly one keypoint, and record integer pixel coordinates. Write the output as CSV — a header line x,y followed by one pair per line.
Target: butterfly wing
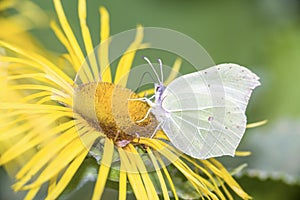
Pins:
x,y
206,110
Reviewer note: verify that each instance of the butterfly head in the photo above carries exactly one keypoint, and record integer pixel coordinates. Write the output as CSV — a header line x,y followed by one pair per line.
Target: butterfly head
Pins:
x,y
159,90
159,87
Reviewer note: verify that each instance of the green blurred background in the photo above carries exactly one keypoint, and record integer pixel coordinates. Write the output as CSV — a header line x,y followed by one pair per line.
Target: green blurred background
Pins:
x,y
263,35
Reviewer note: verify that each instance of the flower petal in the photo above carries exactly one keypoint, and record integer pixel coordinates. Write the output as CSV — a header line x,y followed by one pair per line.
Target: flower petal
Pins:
x,y
31,193
175,70
40,62
68,154
159,174
167,174
76,62
88,43
230,180
67,176
256,124
133,177
127,59
67,29
104,169
122,183
47,153
134,157
103,51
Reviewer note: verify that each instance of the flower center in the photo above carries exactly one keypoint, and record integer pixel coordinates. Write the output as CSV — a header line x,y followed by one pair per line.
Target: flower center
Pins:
x,y
114,111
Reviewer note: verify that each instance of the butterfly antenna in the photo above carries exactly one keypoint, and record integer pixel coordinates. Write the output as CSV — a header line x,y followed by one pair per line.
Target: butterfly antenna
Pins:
x,y
161,70
148,61
143,76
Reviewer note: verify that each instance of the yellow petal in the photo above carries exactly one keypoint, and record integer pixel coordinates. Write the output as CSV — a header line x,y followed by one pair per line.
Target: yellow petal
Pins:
x,y
34,96
38,87
91,64
104,35
34,107
229,196
52,184
167,175
30,140
67,176
103,51
135,158
133,177
14,131
6,4
104,169
159,174
76,62
48,152
215,186
146,92
199,183
256,124
67,29
60,156
42,63
122,183
230,180
62,160
127,59
242,153
31,194
175,70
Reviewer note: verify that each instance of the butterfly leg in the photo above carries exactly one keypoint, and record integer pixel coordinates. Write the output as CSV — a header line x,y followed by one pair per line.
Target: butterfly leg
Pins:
x,y
156,129
147,114
144,99
151,97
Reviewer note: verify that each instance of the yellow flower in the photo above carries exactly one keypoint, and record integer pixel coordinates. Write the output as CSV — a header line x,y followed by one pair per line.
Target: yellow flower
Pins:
x,y
52,134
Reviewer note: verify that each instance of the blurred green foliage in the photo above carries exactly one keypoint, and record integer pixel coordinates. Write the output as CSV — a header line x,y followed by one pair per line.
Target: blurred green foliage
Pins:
x,y
263,35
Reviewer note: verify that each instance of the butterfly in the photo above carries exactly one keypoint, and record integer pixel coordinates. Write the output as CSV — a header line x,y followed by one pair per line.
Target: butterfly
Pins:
x,y
203,113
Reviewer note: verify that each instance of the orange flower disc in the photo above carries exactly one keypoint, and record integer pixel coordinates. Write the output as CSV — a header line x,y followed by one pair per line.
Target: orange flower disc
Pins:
x,y
114,111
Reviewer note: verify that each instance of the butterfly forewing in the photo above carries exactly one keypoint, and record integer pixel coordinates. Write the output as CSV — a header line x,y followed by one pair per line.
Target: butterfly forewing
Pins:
x,y
207,110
